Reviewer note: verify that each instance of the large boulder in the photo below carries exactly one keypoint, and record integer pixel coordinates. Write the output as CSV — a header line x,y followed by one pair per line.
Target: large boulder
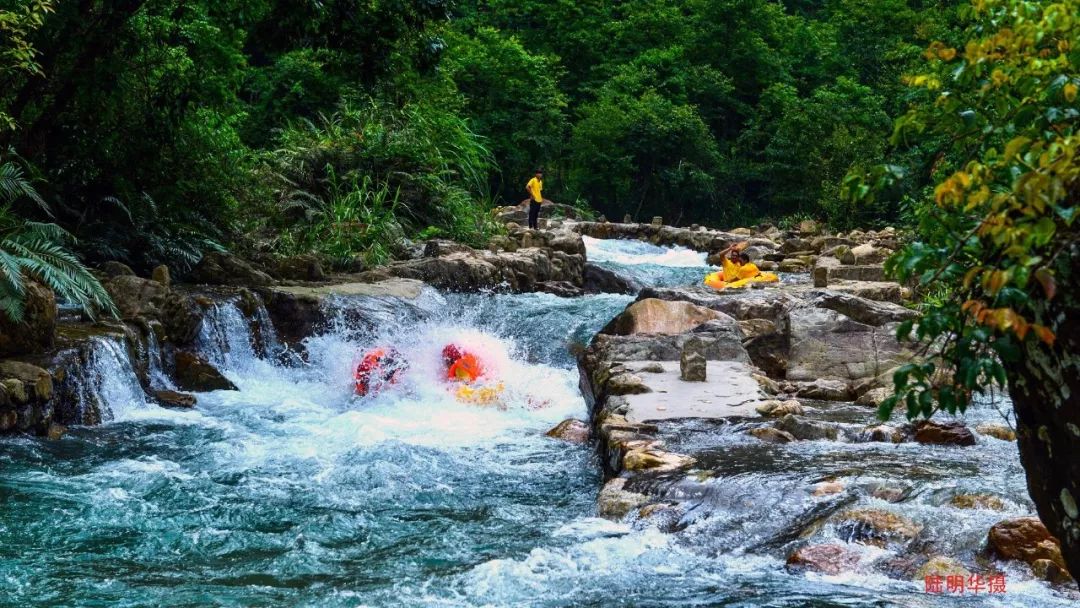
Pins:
x,y
1024,539
597,279
943,433
826,343
194,373
863,310
654,316
138,298
37,329
221,268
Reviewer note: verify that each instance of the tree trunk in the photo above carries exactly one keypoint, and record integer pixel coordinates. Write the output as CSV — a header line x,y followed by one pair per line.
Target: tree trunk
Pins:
x,y
1045,390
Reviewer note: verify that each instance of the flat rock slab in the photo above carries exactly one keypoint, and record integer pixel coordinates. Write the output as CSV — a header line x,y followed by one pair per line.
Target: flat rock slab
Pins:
x,y
408,289
728,391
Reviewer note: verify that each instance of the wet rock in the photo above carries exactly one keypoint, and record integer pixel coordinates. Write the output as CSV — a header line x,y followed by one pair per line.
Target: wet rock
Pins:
x,y
883,433
563,289
826,559
571,430
1024,539
654,316
113,268
977,501
823,390
806,429
651,368
26,382
664,517
37,329
8,419
942,566
194,373
767,384
778,409
827,488
55,431
997,431
692,363
875,527
947,433
181,316
161,275
889,493
597,279
655,459
569,243
167,398
769,434
222,268
614,502
1051,572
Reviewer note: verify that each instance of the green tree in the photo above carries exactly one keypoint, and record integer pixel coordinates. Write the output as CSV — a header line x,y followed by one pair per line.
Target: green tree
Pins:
x,y
999,116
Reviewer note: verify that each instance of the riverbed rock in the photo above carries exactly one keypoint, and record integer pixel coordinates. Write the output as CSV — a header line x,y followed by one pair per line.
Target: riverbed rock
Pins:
x,y
997,431
868,254
823,390
875,527
653,459
943,433
977,501
831,559
884,433
828,344
597,279
654,316
1052,572
827,488
194,373
55,431
778,409
874,396
626,384
940,565
1024,539
168,398
614,502
563,289
863,310
793,265
571,430
37,329
806,429
769,434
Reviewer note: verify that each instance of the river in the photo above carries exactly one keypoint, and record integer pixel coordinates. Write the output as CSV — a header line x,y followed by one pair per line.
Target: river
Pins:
x,y
293,492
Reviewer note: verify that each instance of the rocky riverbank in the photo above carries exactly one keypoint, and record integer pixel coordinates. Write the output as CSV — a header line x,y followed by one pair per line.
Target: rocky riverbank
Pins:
x,y
692,388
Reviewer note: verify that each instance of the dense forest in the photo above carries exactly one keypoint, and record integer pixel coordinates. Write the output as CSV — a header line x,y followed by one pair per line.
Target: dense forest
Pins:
x,y
155,129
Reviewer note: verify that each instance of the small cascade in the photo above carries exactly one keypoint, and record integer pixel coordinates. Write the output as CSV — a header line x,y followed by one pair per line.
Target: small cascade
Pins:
x,y
225,338
110,382
155,369
269,346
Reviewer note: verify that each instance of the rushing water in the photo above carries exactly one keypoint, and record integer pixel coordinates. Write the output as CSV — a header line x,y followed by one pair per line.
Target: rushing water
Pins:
x,y
292,492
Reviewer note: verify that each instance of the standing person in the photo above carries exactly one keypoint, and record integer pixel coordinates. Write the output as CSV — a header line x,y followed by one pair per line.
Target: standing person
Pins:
x,y
535,187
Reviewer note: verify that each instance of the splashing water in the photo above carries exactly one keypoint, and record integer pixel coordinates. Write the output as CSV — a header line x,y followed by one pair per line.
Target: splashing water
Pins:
x,y
649,264
293,491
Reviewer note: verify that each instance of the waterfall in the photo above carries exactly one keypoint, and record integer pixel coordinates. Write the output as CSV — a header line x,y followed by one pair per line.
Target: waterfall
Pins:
x,y
110,381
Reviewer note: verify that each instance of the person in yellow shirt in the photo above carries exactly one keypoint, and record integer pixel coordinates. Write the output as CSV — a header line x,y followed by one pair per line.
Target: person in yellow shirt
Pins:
x,y
535,188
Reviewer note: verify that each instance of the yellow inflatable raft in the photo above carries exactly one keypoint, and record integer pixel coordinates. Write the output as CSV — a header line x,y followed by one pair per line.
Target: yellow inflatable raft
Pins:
x,y
740,275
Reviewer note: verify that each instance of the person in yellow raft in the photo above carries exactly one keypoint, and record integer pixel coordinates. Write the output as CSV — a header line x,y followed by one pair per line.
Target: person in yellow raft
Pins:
x,y
737,270
535,188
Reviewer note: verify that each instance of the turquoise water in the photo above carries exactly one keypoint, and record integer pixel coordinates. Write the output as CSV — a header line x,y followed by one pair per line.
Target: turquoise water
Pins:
x,y
291,492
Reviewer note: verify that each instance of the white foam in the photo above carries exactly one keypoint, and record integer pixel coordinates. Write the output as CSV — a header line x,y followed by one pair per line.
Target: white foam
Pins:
x,y
634,253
